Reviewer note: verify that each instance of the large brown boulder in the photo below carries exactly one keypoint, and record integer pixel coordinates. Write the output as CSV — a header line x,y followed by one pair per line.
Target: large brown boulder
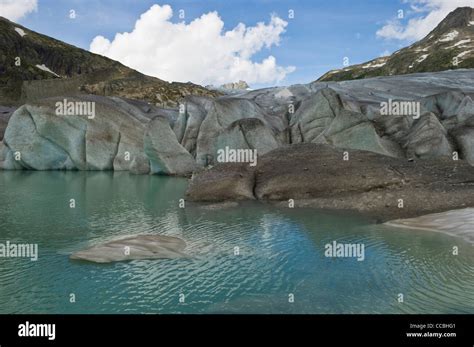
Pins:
x,y
320,176
228,181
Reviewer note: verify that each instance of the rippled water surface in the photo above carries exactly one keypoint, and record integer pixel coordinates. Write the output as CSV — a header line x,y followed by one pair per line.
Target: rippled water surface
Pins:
x,y
281,252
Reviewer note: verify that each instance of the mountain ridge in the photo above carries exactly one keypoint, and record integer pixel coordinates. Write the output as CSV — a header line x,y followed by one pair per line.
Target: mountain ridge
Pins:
x,y
29,60
450,45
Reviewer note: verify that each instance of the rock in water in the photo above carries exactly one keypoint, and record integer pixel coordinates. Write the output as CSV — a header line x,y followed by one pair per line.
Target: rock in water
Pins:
x,y
134,247
224,182
318,176
458,223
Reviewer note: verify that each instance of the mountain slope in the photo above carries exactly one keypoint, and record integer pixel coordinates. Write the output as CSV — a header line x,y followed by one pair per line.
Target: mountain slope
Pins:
x,y
29,62
449,46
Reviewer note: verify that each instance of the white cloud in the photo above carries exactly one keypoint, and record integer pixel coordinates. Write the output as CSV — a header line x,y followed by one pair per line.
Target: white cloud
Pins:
x,y
200,52
16,9
428,13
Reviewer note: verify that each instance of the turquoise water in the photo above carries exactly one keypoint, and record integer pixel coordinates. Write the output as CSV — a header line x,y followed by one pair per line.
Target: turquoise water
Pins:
x,y
281,252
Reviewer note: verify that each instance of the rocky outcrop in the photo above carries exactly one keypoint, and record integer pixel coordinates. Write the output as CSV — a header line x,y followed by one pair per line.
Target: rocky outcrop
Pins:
x,y
326,177
241,85
133,248
232,88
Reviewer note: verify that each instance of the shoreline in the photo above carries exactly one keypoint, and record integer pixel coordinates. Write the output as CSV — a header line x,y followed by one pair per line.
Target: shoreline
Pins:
x,y
351,203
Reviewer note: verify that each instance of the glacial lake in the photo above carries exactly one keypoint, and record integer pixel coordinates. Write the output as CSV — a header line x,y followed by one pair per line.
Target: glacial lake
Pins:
x,y
280,254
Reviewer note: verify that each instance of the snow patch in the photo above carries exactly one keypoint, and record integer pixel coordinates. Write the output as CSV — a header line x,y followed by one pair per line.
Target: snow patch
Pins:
x,y
377,63
423,57
462,54
449,36
424,49
373,65
20,32
459,43
471,23
45,68
333,72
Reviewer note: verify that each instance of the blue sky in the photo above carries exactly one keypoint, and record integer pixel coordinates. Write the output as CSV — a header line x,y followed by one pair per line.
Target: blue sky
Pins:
x,y
316,40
